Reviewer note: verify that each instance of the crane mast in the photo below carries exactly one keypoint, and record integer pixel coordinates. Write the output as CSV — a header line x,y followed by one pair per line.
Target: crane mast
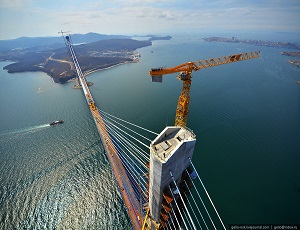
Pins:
x,y
185,76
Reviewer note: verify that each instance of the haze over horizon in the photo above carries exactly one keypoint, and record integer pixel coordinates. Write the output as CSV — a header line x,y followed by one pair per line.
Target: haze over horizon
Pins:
x,y
43,18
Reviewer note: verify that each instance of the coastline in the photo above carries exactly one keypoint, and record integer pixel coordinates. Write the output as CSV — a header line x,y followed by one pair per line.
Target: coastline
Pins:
x,y
101,69
97,70
288,45
95,56
106,68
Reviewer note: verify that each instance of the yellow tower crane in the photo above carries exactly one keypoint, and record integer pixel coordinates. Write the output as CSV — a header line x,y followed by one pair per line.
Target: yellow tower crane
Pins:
x,y
185,76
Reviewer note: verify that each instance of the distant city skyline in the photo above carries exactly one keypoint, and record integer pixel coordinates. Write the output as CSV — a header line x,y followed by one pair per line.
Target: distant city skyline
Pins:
x,y
35,18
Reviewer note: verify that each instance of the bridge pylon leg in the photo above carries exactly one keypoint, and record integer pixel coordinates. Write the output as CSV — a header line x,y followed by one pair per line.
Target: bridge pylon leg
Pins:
x,y
170,151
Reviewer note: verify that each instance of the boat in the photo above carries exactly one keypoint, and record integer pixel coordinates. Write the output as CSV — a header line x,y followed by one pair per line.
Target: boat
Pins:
x,y
57,122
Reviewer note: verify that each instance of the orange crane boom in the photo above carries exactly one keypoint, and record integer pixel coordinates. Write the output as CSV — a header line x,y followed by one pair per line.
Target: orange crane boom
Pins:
x,y
185,76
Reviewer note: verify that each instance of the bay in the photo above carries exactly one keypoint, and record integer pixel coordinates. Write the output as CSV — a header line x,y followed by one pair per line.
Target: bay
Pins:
x,y
245,115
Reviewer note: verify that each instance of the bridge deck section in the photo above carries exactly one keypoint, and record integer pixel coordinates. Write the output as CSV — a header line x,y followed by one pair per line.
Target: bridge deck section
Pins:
x,y
125,187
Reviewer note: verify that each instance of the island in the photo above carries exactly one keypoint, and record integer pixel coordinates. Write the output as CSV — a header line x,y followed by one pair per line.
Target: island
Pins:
x,y
295,62
254,42
153,38
57,62
292,54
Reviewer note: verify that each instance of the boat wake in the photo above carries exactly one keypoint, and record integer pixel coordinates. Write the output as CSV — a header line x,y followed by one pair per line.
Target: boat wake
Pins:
x,y
26,130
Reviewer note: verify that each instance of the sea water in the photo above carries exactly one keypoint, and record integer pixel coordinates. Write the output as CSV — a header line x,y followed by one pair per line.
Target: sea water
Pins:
x,y
245,115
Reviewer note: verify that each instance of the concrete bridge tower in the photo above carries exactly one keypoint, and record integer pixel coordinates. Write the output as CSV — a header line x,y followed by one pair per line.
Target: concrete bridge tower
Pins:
x,y
170,151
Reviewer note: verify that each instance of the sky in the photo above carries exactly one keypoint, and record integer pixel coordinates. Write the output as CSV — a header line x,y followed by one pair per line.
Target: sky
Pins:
x,y
38,18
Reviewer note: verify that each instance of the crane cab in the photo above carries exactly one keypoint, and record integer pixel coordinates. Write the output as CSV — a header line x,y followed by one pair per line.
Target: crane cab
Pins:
x,y
183,76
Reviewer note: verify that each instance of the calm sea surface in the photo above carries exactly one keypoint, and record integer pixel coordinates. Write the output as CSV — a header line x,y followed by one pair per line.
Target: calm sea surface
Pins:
x,y
245,115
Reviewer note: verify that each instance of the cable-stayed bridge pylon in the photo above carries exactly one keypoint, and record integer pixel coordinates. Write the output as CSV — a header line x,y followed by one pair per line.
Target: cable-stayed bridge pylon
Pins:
x,y
154,171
